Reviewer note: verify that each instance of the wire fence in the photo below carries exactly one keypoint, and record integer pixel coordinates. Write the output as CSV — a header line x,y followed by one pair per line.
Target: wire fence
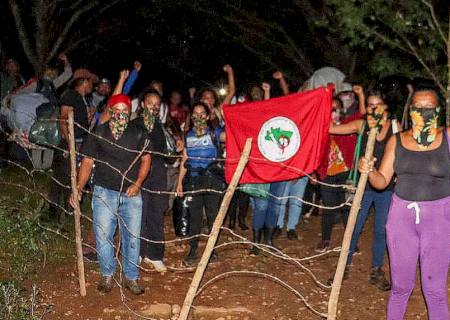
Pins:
x,y
235,242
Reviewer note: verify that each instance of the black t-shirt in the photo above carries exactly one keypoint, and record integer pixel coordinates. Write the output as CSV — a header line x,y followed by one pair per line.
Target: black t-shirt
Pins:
x,y
97,148
156,180
72,98
156,137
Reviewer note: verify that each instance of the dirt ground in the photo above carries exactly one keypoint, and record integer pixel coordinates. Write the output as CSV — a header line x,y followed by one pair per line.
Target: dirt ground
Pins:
x,y
263,297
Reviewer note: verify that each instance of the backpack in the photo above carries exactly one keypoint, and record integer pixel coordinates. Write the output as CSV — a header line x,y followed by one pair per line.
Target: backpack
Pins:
x,y
45,131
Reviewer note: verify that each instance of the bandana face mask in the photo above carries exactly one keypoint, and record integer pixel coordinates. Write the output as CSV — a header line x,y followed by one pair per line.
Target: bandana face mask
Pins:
x,y
376,119
200,124
424,124
150,116
118,123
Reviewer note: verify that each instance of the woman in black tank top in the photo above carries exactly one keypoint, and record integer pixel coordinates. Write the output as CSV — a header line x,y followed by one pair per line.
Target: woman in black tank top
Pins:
x,y
419,218
377,117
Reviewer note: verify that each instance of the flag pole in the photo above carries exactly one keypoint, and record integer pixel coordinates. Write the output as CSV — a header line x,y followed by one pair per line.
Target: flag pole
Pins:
x,y
201,267
339,275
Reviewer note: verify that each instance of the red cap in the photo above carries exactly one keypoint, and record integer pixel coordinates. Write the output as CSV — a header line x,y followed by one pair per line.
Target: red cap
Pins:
x,y
119,98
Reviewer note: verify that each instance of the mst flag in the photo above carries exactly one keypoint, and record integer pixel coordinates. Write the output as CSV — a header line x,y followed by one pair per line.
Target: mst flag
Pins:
x,y
289,134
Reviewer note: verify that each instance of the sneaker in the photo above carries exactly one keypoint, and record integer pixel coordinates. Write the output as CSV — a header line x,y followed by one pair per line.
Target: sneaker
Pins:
x,y
133,286
377,278
91,257
357,252
323,246
106,284
292,235
158,265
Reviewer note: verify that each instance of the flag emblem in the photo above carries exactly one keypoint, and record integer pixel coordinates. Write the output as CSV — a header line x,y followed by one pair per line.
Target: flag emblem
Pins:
x,y
279,139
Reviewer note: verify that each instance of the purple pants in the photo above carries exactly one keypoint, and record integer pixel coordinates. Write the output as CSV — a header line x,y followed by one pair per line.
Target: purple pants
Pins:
x,y
419,231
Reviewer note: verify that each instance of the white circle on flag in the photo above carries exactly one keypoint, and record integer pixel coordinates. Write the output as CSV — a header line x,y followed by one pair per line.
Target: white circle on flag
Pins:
x,y
279,139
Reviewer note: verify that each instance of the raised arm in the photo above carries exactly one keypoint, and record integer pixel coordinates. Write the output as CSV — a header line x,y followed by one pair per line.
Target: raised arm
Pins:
x,y
266,88
132,78
231,85
122,78
380,179
283,84
66,74
346,128
359,92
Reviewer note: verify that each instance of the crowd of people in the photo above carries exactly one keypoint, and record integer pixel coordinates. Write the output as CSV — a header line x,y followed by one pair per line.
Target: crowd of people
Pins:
x,y
137,152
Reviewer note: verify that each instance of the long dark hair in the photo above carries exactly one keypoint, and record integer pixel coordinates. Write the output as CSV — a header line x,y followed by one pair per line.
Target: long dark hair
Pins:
x,y
201,104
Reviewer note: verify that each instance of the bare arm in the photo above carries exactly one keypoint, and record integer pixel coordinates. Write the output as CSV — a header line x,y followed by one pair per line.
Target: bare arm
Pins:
x,y
359,92
182,174
84,173
380,179
144,169
283,84
266,88
66,74
231,85
122,78
64,115
347,128
83,176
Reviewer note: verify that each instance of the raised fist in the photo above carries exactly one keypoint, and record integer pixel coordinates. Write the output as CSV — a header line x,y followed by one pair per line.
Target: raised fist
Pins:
x,y
227,68
278,75
137,65
265,86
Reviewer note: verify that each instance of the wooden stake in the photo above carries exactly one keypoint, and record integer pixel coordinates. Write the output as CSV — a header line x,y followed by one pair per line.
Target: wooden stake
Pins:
x,y
337,281
77,211
184,313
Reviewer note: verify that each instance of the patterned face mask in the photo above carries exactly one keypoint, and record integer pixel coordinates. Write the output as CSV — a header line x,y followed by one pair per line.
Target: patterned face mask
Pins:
x,y
376,119
200,124
424,124
118,123
150,116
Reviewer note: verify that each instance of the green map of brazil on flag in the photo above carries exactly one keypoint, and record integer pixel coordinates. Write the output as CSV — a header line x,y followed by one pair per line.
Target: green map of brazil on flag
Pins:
x,y
289,135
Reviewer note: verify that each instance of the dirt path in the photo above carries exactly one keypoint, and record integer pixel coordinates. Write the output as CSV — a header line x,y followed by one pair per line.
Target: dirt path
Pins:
x,y
264,298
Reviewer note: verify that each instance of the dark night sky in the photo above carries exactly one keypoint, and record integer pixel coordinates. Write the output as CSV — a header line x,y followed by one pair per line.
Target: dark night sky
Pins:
x,y
176,44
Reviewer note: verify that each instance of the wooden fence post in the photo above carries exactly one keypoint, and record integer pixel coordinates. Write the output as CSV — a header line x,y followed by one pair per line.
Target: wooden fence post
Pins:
x,y
77,211
337,281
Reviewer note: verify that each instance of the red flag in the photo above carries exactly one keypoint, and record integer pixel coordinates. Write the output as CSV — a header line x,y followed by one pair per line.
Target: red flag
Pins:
x,y
289,135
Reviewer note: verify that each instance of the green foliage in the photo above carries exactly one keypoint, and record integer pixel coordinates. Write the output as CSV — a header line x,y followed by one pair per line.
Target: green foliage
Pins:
x,y
23,243
17,305
402,31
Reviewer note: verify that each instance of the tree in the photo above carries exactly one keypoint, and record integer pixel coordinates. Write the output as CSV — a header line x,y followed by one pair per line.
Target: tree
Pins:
x,y
284,34
415,32
47,27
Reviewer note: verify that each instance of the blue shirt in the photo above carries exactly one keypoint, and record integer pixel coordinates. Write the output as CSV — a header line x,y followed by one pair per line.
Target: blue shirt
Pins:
x,y
202,147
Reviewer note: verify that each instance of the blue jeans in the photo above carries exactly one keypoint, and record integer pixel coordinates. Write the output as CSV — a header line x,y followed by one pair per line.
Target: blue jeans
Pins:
x,y
381,202
295,188
261,216
107,209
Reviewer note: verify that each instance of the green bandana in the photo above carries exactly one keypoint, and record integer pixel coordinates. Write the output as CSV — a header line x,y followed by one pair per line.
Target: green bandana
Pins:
x,y
149,118
200,124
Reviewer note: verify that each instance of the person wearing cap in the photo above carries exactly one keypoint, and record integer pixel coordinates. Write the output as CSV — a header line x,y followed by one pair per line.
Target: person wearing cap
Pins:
x,y
101,94
72,99
115,146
